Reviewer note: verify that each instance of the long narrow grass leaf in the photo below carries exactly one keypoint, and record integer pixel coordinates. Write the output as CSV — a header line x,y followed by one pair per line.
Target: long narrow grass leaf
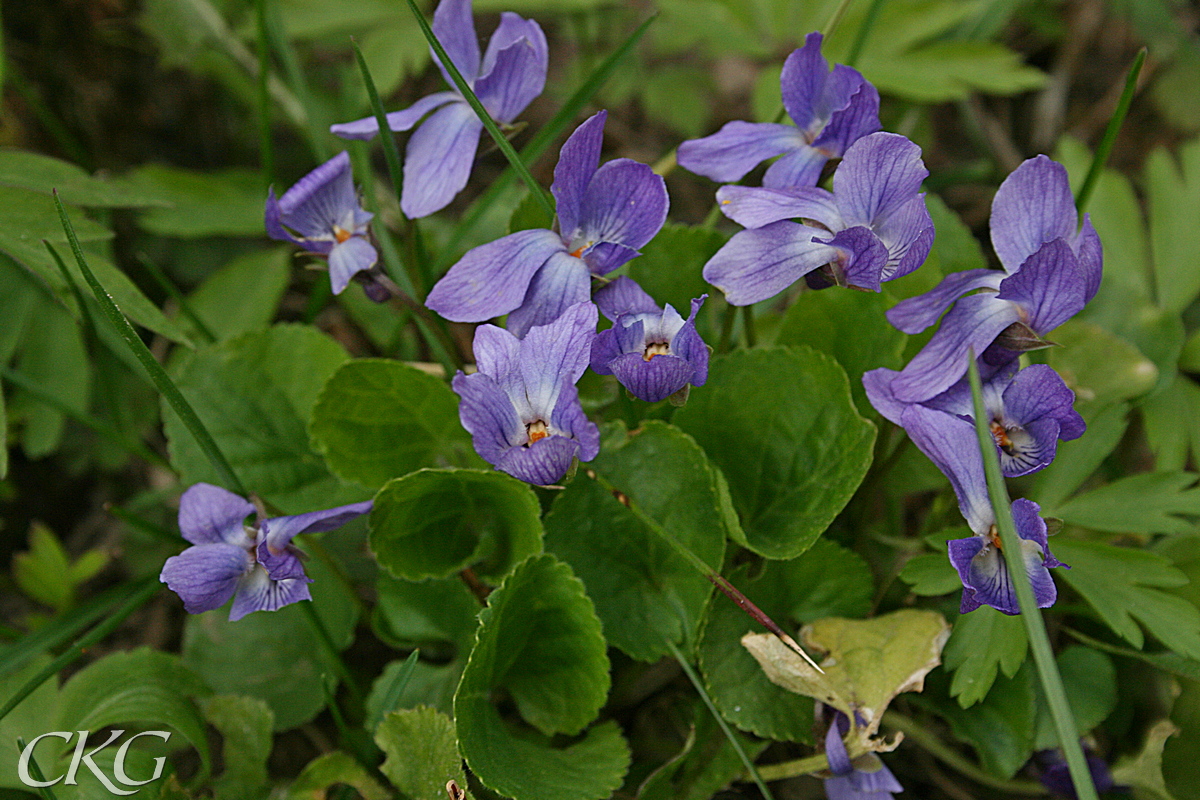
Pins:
x,y
35,772
263,93
146,589
1035,626
548,133
393,690
747,762
1110,133
162,381
492,128
391,154
864,32
173,292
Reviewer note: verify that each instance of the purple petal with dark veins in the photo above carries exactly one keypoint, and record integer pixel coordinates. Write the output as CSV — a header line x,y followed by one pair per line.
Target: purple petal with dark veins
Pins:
x,y
284,565
543,462
604,350
568,415
603,257
761,262
1038,391
206,575
878,383
879,174
857,119
653,380
688,345
437,162
320,199
496,352
512,29
917,313
1091,257
577,162
1030,448
908,234
737,148
1048,287
802,84
487,413
454,27
623,296
492,279
863,256
278,532
799,168
349,258
210,514
518,74
257,592
562,282
625,203
367,127
973,323
274,227
1033,206
752,207
558,353
950,443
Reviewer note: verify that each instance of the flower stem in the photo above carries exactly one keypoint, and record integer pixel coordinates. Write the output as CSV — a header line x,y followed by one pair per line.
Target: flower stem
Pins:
x,y
714,577
173,292
390,152
835,18
1110,134
35,771
157,374
492,128
335,656
863,32
263,92
729,734
1035,626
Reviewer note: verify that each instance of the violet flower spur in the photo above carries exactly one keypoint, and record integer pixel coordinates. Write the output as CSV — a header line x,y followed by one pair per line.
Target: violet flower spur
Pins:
x,y
1051,270
511,73
324,212
522,408
255,564
604,214
1028,411
850,782
831,111
873,227
950,443
654,352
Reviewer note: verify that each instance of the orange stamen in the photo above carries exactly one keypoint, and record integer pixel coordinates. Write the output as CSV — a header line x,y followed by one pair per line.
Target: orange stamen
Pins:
x,y
341,234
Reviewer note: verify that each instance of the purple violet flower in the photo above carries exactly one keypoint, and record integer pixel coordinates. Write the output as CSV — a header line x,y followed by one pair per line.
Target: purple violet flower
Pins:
x,y
850,782
950,444
1056,776
604,214
522,408
831,110
654,352
873,227
1028,411
440,152
324,212
1050,272
256,565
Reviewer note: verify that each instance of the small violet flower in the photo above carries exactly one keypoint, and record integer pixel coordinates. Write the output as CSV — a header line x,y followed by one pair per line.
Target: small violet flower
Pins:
x,y
873,227
256,565
511,73
1029,411
1056,776
522,408
604,214
1051,271
950,443
849,782
831,111
653,351
323,211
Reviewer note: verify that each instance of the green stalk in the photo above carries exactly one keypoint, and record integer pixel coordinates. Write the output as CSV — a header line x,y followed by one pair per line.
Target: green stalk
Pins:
x,y
263,94
144,525
147,590
131,446
492,128
317,135
748,326
162,381
547,134
173,292
390,153
864,31
335,656
1110,134
714,577
35,771
835,18
1035,626
737,746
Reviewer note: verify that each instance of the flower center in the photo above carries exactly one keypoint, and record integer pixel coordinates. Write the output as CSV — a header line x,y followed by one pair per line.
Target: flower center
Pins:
x,y
1000,434
537,431
656,349
994,537
341,234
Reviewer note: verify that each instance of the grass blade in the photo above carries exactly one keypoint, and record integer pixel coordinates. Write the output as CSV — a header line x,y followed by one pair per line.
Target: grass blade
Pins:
x,y
162,381
1110,134
173,292
492,128
1035,626
263,93
546,135
390,152
394,689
